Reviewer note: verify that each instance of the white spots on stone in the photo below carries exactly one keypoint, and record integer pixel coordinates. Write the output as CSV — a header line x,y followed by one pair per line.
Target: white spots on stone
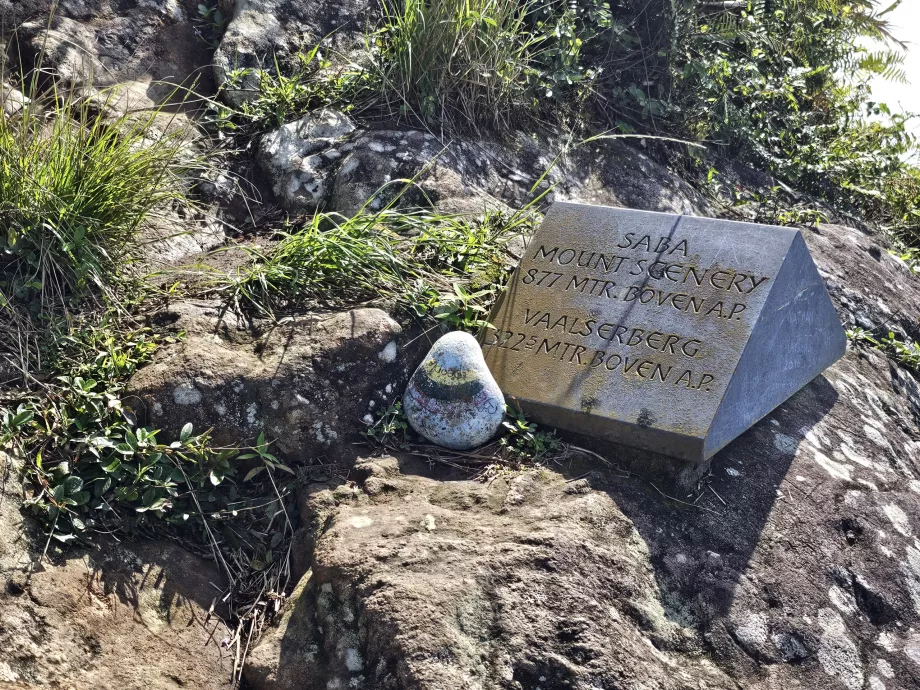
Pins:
x,y
784,444
360,521
876,437
334,684
353,660
367,419
774,422
855,457
220,409
388,353
300,399
389,389
799,478
912,648
869,485
814,437
874,423
252,413
835,469
7,674
157,408
348,166
372,404
844,601
898,518
911,570
884,668
837,653
853,498
732,472
324,433
428,523
887,641
186,394
275,404
875,683
914,485
753,630
238,386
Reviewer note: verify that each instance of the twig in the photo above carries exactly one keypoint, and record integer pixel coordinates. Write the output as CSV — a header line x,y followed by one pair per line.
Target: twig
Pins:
x,y
591,453
677,500
717,495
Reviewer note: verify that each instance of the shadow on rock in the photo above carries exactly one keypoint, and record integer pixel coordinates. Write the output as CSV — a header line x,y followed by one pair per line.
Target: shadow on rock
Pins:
x,y
701,542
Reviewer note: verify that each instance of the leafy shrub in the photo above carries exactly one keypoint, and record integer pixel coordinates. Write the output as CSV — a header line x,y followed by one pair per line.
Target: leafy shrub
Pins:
x,y
778,83
285,95
93,469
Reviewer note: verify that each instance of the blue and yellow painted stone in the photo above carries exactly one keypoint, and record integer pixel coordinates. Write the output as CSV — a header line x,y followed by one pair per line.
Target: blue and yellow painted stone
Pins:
x,y
452,398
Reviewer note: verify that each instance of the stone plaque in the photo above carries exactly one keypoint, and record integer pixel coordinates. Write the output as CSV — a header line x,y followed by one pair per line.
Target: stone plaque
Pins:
x,y
670,333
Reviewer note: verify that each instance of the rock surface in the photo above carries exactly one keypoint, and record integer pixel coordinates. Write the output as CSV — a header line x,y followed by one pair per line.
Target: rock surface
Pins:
x,y
298,157
12,100
313,383
146,49
452,398
463,176
796,565
121,616
261,31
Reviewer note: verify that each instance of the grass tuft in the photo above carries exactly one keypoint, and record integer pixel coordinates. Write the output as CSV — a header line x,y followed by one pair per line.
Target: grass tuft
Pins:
x,y
459,62
76,186
448,267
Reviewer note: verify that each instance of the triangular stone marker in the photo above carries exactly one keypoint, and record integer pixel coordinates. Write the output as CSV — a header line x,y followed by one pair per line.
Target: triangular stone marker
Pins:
x,y
670,333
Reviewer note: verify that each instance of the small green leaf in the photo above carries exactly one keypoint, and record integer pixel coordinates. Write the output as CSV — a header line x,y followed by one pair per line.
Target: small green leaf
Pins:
x,y
253,472
186,432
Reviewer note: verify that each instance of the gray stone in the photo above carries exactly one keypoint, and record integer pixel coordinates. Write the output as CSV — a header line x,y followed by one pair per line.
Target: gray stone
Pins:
x,y
312,383
12,100
263,31
150,50
669,333
299,156
452,399
470,176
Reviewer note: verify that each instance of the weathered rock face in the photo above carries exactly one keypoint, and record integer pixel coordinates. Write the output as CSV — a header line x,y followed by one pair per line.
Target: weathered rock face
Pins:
x,y
262,30
298,157
312,383
452,398
796,565
120,616
146,48
460,176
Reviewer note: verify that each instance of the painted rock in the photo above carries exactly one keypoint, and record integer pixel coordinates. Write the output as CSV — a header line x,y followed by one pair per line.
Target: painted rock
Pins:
x,y
452,399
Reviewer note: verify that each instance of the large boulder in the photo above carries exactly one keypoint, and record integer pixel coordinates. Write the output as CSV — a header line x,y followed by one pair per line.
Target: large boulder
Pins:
x,y
311,383
796,563
372,168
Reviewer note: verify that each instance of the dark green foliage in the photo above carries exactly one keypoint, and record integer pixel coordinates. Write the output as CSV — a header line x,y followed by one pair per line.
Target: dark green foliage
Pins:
x,y
92,469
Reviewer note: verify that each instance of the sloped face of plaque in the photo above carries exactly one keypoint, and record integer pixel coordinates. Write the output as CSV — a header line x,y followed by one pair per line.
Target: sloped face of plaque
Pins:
x,y
670,333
